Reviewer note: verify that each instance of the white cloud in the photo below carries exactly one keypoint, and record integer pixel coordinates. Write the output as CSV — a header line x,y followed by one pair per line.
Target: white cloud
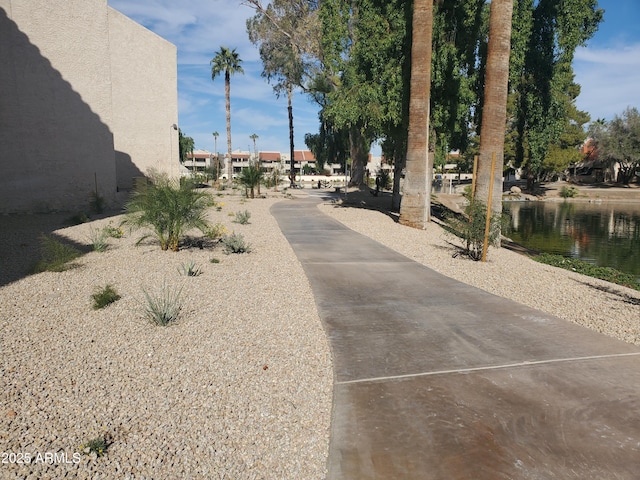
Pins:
x,y
610,80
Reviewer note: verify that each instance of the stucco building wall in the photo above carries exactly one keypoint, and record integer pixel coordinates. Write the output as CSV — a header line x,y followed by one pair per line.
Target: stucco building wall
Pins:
x,y
65,117
144,89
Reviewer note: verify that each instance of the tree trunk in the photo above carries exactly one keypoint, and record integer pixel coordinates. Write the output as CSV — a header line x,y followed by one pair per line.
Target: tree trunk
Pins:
x,y
227,97
494,111
292,173
359,156
416,202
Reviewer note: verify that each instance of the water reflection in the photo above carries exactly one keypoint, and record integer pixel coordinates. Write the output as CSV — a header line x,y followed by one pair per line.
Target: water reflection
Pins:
x,y
607,234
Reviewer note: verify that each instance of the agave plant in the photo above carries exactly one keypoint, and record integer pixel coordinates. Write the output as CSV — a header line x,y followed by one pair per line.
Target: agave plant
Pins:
x,y
168,209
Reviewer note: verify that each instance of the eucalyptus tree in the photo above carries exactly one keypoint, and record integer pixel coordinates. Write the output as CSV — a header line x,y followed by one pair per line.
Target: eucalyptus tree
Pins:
x,y
365,55
543,87
228,62
287,33
619,141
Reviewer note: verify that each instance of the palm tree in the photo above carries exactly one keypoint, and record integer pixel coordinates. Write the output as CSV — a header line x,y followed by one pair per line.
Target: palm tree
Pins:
x,y
494,111
227,61
416,204
251,177
215,144
254,137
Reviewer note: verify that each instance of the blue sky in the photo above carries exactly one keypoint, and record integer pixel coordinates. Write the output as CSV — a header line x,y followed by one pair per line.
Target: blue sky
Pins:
x,y
608,69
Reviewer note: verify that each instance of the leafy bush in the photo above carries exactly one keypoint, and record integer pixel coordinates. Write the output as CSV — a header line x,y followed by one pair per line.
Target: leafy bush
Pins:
x,y
168,210
163,308
607,274
104,296
190,269
235,243
385,178
471,228
242,217
56,256
568,192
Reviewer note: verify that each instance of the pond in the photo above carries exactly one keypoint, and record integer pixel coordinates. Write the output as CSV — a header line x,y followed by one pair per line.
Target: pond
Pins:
x,y
605,234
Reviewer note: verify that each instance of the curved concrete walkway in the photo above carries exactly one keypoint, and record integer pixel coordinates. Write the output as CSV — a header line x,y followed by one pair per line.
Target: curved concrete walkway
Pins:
x,y
435,379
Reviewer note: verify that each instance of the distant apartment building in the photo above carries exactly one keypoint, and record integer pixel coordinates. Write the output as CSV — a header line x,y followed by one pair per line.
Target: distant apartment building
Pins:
x,y
88,103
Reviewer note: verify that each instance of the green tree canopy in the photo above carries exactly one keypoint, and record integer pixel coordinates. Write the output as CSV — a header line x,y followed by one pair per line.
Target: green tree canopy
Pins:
x,y
618,141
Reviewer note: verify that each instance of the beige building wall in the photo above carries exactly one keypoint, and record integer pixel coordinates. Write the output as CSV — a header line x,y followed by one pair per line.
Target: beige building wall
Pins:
x,y
73,114
144,89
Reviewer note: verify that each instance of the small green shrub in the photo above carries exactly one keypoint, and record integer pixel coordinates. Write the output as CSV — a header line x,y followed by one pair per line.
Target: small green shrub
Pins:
x,y
189,269
215,260
471,228
607,274
55,255
235,243
215,232
97,445
163,308
104,296
98,239
97,203
78,219
113,232
242,217
568,192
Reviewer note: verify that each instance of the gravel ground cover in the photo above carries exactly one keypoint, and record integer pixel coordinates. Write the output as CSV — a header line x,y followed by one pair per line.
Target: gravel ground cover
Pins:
x,y
601,306
240,387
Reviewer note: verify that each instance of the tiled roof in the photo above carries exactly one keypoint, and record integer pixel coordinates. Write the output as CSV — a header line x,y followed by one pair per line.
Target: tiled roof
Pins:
x,y
304,155
269,156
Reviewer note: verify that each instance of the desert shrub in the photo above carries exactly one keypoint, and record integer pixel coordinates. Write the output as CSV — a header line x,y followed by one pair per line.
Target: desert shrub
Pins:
x,y
113,232
162,308
189,269
235,243
77,219
471,228
169,210
215,232
568,192
585,268
242,217
97,203
215,260
98,239
97,445
104,296
56,256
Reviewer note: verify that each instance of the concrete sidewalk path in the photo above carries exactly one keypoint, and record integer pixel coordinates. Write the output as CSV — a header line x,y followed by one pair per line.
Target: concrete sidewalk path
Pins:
x,y
435,379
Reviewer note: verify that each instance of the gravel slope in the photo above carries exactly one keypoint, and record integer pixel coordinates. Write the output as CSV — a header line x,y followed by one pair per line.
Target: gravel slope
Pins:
x,y
240,387
601,306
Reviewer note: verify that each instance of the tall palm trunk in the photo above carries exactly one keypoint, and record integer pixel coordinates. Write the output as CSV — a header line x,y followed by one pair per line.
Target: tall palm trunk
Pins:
x,y
494,111
227,98
292,173
416,203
